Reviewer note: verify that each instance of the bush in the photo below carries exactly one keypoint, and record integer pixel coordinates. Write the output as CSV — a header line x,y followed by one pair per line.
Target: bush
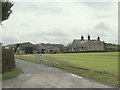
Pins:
x,y
8,61
83,51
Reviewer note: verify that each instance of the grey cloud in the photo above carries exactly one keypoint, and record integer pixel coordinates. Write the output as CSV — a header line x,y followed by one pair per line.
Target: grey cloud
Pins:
x,y
104,16
10,39
100,29
38,8
25,25
104,31
98,5
48,33
49,36
101,26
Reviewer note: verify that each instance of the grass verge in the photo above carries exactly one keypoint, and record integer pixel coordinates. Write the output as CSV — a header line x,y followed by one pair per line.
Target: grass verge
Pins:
x,y
9,75
0,76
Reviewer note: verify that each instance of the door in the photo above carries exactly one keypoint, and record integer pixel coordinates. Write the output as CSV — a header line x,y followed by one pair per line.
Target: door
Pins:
x,y
28,50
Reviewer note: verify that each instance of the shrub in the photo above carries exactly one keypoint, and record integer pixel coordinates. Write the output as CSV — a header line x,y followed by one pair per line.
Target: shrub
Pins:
x,y
8,61
82,51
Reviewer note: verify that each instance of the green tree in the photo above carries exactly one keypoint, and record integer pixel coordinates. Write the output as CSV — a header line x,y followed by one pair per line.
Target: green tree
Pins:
x,y
5,11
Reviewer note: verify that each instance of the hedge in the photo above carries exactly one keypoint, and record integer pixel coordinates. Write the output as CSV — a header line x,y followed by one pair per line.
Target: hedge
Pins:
x,y
8,61
82,51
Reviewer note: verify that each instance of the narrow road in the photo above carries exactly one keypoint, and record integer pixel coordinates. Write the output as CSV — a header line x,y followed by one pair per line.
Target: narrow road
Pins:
x,y
40,76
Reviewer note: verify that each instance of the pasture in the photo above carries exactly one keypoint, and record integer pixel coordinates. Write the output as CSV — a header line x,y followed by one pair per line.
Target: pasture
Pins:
x,y
104,62
98,66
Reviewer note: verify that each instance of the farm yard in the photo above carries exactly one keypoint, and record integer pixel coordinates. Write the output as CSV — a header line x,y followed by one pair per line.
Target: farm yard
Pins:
x,y
100,66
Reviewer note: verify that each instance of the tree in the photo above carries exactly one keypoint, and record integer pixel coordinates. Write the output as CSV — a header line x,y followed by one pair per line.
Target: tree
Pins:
x,y
5,11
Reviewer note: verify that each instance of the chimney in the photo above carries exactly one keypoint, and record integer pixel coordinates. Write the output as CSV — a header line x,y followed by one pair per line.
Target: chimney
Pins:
x,y
88,37
98,38
82,38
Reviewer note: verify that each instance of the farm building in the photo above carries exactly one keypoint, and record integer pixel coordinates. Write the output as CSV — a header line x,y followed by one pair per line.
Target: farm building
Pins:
x,y
50,48
29,48
86,44
23,48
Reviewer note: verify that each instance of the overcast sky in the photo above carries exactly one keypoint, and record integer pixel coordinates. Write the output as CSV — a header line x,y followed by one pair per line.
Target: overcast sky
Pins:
x,y
42,22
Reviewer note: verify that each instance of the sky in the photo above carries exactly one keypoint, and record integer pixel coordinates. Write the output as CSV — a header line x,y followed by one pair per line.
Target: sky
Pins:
x,y
61,22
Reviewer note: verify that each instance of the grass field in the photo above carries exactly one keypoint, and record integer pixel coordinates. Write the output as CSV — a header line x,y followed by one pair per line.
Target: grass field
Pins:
x,y
105,62
98,66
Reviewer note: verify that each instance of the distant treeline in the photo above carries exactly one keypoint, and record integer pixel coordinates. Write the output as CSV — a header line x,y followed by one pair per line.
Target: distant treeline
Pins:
x,y
112,47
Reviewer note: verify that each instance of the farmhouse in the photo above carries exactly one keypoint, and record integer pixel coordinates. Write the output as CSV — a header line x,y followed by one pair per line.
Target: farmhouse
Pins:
x,y
23,48
86,44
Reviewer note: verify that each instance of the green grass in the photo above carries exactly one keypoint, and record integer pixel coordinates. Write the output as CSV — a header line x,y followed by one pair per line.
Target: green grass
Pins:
x,y
107,63
11,74
104,62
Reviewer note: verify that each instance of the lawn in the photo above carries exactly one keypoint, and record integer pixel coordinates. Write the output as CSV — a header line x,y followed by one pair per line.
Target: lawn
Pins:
x,y
98,66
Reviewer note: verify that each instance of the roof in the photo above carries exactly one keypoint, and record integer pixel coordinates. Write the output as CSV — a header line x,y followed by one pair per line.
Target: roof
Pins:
x,y
83,41
80,41
22,45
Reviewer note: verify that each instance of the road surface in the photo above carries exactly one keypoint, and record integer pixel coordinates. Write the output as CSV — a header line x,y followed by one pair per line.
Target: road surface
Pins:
x,y
40,76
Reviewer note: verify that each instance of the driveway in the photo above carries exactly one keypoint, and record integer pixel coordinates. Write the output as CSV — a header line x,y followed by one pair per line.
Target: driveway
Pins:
x,y
40,76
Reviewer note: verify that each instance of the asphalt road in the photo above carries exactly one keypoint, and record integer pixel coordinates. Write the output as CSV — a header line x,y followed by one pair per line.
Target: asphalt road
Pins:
x,y
41,76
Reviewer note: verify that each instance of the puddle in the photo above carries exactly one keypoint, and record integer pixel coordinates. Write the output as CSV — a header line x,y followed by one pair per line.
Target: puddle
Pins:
x,y
28,75
76,75
24,75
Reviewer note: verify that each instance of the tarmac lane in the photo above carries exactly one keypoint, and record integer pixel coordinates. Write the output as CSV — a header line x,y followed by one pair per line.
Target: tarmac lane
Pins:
x,y
40,76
